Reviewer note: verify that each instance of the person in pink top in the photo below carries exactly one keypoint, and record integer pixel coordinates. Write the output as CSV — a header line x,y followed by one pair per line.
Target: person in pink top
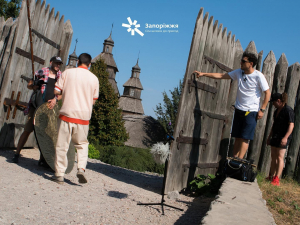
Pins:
x,y
79,89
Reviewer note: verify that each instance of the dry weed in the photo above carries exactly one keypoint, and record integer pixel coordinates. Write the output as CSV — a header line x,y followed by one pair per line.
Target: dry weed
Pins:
x,y
283,201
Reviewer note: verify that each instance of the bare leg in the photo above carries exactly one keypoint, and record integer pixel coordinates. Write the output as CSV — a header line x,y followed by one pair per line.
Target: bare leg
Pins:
x,y
273,162
240,147
280,159
23,139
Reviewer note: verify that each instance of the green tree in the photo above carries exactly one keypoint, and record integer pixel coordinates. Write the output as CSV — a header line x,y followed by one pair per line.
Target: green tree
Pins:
x,y
167,112
10,8
106,124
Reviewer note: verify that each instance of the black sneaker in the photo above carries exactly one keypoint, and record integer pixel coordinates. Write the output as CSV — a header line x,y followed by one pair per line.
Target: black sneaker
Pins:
x,y
15,159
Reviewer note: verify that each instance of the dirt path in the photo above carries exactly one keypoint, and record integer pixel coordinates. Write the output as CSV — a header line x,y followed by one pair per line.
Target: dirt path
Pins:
x,y
28,196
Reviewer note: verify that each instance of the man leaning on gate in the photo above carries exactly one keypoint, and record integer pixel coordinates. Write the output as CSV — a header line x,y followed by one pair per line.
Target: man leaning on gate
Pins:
x,y
251,85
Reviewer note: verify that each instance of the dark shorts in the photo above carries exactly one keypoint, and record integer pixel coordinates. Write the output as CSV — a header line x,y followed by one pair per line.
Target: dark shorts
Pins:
x,y
276,142
244,126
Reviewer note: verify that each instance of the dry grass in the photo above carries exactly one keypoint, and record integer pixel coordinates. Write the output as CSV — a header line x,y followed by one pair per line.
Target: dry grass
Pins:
x,y
283,201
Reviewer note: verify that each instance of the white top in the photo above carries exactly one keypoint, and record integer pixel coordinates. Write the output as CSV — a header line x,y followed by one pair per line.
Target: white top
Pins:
x,y
250,88
79,88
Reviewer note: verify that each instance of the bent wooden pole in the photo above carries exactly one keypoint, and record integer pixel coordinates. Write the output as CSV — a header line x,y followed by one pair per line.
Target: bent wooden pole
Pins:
x,y
30,36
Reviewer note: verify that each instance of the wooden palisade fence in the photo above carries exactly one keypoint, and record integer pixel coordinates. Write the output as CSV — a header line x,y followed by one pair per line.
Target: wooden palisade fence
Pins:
x,y
203,124
51,36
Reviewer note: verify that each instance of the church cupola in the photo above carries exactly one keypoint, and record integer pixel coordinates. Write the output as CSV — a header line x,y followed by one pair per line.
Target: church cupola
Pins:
x,y
108,58
108,45
131,102
73,58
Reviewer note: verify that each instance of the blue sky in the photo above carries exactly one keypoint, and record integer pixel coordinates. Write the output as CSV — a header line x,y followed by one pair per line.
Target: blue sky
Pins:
x,y
271,24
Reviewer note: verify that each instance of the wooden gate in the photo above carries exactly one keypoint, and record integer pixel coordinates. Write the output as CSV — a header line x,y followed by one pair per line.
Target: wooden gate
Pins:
x,y
51,36
202,108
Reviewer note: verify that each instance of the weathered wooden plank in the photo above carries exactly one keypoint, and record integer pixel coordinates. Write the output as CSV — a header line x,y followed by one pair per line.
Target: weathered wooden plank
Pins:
x,y
45,23
2,23
6,45
4,70
255,145
59,34
66,42
12,56
37,19
194,101
251,48
278,86
218,103
49,34
238,52
173,182
292,83
291,86
260,56
213,47
21,39
8,102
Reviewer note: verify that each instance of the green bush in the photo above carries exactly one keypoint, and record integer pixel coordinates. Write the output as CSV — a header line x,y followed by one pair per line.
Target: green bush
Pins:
x,y
106,124
137,159
93,152
205,185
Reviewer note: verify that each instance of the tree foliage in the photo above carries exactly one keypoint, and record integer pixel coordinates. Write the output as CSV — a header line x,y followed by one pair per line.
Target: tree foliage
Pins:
x,y
106,124
167,112
10,8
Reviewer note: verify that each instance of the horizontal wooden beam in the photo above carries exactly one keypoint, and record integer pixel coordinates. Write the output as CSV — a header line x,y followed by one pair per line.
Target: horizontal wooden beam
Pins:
x,y
214,62
47,40
190,140
9,102
202,86
17,125
28,55
210,115
201,165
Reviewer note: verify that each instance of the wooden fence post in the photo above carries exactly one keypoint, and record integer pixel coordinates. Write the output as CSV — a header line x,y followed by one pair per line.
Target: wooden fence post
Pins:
x,y
255,145
259,60
278,86
230,102
291,87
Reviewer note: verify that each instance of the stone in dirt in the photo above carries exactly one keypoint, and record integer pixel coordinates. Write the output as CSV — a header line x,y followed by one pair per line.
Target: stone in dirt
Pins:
x,y
173,195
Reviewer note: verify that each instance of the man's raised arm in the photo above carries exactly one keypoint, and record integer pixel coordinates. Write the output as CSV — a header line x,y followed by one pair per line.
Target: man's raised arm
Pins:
x,y
213,75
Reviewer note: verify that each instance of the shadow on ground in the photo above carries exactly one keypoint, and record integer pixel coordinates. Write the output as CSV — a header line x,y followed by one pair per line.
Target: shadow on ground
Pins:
x,y
146,181
31,165
195,212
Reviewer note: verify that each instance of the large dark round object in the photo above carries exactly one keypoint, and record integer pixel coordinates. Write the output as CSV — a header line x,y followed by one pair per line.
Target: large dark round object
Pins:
x,y
45,130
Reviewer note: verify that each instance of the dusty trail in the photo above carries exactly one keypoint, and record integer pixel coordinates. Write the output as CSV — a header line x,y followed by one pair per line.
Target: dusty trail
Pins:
x,y
28,196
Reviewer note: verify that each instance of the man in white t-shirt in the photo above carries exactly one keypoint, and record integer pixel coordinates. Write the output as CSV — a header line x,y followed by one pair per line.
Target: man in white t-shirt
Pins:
x,y
79,89
251,85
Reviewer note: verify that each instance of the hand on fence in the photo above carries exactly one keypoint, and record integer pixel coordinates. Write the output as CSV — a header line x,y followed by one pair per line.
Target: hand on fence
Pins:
x,y
198,74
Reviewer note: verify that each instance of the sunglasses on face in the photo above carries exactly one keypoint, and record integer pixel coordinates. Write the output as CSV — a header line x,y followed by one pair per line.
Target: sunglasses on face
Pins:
x,y
244,61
